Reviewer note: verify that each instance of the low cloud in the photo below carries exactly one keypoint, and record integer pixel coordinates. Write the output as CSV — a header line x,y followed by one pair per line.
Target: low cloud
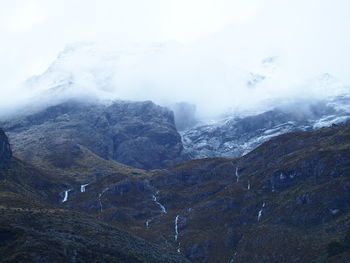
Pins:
x,y
279,51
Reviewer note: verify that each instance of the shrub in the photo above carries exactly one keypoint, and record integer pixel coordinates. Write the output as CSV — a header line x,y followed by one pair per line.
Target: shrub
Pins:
x,y
347,239
335,248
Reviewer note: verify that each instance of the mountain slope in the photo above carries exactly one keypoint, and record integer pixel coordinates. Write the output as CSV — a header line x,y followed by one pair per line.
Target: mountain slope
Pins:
x,y
34,229
284,202
236,136
52,235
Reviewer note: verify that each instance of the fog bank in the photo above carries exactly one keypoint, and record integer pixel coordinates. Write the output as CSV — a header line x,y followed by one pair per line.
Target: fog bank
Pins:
x,y
221,56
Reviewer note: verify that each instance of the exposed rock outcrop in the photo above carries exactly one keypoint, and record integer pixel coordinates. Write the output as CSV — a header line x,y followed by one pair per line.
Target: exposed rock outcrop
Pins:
x,y
5,151
139,134
236,136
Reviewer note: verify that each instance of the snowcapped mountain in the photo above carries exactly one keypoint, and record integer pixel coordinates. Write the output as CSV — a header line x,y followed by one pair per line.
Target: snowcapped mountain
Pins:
x,y
256,113
88,69
238,135
207,210
324,103
165,73
169,73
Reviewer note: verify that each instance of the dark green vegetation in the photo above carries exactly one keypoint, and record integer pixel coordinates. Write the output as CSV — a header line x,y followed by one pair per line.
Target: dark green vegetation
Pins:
x,y
34,229
286,201
53,235
339,247
298,183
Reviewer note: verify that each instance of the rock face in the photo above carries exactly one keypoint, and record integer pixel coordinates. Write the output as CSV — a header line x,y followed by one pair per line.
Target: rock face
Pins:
x,y
139,134
237,136
5,151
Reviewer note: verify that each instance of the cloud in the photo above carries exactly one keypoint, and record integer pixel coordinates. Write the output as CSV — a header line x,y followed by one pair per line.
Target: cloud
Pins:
x,y
209,50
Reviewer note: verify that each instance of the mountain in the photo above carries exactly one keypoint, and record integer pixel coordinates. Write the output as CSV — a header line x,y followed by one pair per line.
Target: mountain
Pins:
x,y
101,180
98,73
87,134
35,229
236,136
88,69
286,201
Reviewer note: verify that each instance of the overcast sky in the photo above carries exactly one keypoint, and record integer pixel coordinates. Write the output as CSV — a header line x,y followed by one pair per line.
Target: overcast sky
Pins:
x,y
310,37
34,31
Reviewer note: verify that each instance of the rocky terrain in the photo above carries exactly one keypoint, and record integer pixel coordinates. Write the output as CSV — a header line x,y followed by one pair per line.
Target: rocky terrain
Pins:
x,y
171,139
140,134
71,201
235,136
286,201
5,151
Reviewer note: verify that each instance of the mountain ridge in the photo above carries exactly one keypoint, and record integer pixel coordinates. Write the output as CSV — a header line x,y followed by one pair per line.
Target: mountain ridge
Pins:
x,y
215,206
236,136
35,229
140,134
288,191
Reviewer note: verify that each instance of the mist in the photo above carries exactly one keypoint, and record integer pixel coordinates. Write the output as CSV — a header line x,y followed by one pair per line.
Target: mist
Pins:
x,y
219,56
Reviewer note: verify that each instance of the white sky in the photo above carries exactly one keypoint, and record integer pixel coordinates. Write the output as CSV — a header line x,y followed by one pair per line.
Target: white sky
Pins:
x,y
34,31
310,36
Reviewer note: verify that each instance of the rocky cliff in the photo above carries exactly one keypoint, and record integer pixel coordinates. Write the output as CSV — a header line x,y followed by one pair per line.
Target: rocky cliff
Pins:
x,y
5,151
235,136
140,134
